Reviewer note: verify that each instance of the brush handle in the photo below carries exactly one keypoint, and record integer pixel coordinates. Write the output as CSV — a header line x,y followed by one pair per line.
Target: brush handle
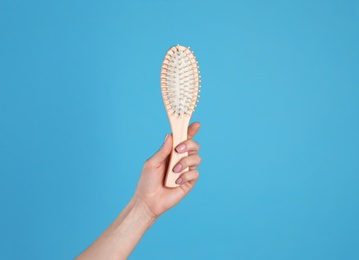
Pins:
x,y
179,134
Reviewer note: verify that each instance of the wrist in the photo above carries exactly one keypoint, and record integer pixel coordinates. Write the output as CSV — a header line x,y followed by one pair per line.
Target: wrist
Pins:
x,y
138,205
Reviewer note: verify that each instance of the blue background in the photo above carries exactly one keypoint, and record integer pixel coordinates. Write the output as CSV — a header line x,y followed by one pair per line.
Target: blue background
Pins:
x,y
81,110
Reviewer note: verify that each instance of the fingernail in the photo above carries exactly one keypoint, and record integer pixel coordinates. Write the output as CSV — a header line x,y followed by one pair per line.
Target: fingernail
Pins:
x,y
177,168
181,148
179,180
166,136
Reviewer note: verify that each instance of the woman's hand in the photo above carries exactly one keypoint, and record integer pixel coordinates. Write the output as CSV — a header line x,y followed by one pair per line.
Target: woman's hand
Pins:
x,y
151,192
150,200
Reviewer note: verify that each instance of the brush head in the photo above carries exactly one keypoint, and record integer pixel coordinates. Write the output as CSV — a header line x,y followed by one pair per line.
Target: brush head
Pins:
x,y
180,81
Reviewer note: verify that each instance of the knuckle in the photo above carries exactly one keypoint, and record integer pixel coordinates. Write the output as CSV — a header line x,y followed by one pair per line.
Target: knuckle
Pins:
x,y
198,145
147,163
187,176
191,175
195,174
192,143
189,143
196,159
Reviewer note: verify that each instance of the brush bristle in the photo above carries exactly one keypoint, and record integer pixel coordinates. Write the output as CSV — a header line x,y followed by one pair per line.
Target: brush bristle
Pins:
x,y
180,80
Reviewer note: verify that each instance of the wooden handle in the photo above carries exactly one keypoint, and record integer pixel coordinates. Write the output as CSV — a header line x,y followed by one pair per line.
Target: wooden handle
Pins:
x,y
179,134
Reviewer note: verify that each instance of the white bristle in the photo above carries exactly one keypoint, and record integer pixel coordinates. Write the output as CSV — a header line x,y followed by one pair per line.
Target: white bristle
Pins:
x,y
179,80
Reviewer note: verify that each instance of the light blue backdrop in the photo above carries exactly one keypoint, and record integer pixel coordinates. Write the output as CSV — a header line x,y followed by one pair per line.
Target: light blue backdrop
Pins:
x,y
80,111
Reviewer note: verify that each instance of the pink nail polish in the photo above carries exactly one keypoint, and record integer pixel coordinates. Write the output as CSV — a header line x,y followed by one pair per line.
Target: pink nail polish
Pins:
x,y
181,148
179,180
177,168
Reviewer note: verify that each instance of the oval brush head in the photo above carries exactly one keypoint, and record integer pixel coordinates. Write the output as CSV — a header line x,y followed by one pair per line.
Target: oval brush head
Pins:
x,y
180,81
180,87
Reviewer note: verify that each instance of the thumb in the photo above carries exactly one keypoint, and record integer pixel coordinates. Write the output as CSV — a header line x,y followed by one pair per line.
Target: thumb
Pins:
x,y
161,155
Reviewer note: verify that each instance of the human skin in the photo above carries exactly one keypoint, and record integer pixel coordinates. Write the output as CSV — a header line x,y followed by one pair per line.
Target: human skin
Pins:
x,y
150,199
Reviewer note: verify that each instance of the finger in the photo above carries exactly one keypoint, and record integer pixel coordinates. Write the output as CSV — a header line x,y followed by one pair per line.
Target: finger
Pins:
x,y
191,152
188,145
188,161
190,176
192,129
161,155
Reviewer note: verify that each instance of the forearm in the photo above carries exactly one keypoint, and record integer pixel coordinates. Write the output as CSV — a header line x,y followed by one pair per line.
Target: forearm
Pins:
x,y
119,239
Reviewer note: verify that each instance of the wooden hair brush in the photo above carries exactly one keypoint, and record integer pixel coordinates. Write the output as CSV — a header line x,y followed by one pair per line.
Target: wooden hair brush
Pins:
x,y
180,87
